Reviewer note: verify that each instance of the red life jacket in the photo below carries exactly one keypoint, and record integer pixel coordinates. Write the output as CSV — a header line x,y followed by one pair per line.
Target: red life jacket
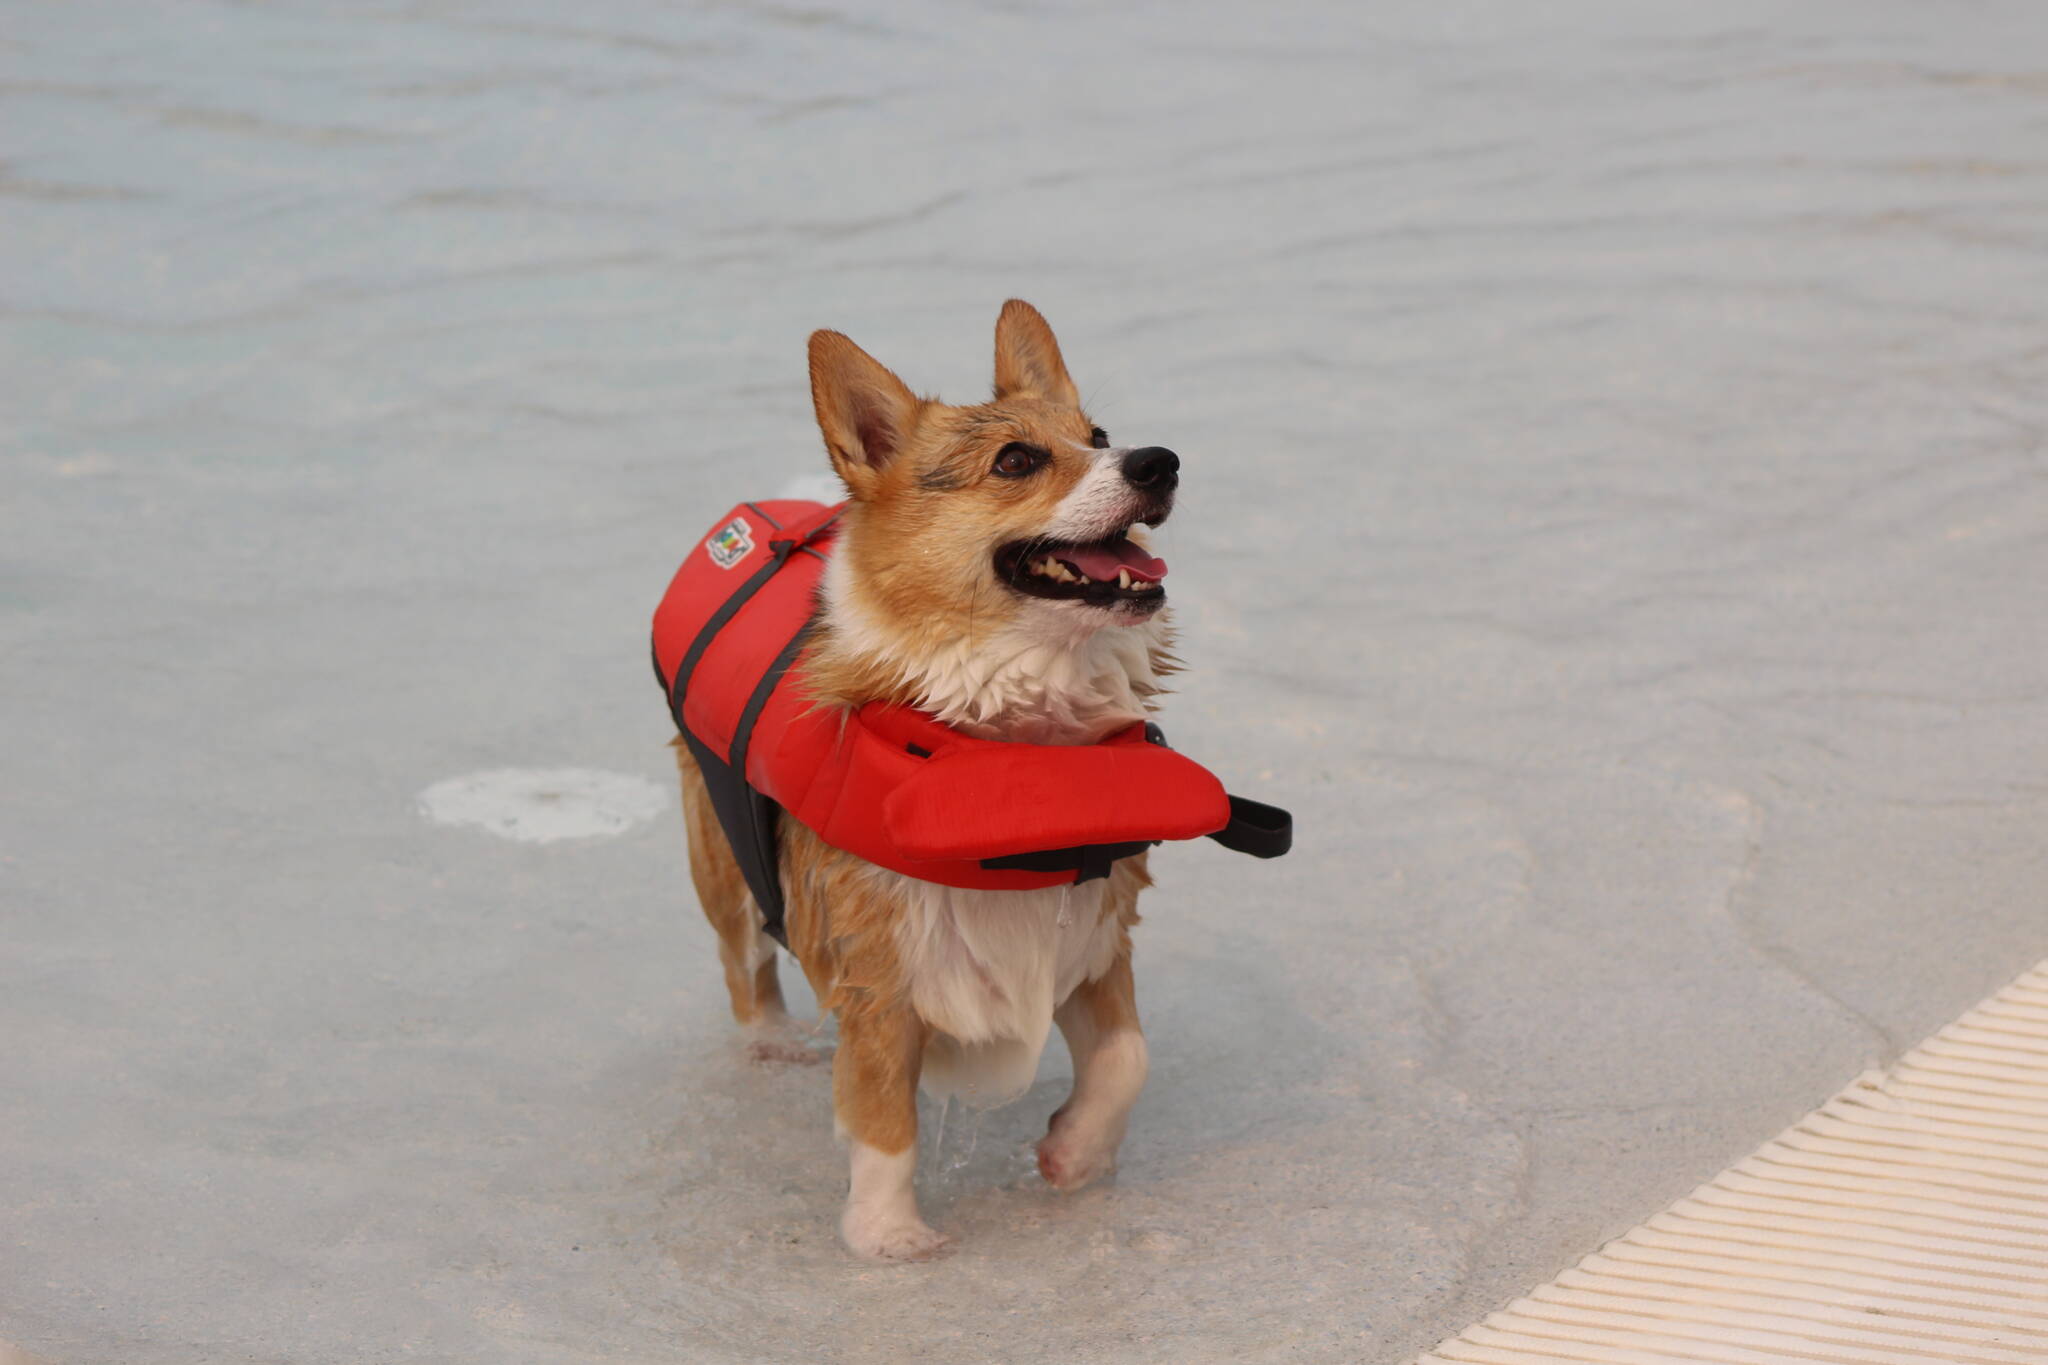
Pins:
x,y
888,783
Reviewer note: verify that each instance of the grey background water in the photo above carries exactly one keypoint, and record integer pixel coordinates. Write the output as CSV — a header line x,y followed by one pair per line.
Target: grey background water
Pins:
x,y
1614,522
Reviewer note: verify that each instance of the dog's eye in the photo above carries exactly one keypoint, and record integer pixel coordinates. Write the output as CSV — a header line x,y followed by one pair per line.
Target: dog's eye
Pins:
x,y
1015,460
1098,438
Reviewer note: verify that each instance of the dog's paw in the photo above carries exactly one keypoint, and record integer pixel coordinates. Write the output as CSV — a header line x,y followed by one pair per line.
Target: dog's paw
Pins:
x,y
1072,1153
781,1052
892,1238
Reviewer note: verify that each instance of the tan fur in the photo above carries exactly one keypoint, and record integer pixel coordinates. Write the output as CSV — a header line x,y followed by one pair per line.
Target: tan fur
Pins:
x,y
915,615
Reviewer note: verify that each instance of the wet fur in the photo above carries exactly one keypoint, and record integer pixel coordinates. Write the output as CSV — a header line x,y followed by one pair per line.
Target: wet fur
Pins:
x,y
958,989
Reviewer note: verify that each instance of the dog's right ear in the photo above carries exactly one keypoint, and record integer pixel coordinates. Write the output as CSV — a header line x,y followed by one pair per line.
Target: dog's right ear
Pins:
x,y
865,412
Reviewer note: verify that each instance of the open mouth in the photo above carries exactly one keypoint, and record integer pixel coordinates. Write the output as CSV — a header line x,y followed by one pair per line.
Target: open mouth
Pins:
x,y
1114,572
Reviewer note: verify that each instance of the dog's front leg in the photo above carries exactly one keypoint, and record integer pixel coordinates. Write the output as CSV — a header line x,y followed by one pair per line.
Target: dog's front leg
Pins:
x,y
874,1094
1100,1023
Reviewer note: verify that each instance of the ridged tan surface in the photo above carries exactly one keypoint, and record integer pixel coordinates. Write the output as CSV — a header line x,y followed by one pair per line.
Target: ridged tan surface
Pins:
x,y
1904,1220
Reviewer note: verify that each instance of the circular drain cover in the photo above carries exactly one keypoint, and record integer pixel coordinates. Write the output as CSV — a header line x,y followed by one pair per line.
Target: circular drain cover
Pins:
x,y
541,805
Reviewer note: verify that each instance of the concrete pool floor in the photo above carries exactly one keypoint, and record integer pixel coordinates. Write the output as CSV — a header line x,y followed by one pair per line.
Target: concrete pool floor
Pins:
x,y
1615,522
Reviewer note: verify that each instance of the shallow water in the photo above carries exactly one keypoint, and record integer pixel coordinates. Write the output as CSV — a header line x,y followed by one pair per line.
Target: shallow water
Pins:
x,y
1616,520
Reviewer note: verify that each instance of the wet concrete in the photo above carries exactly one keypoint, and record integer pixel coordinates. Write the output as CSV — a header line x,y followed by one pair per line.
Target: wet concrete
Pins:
x,y
1616,497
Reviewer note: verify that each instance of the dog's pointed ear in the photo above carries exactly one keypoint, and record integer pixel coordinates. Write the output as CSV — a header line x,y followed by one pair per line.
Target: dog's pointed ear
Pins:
x,y
865,412
1028,358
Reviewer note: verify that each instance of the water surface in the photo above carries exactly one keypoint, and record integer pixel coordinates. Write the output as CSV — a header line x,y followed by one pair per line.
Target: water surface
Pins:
x,y
1616,522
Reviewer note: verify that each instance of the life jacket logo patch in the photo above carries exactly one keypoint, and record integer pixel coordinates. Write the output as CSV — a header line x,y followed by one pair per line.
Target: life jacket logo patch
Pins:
x,y
733,542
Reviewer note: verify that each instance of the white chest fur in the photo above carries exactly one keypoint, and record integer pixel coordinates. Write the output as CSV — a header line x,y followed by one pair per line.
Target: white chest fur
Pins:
x,y
988,968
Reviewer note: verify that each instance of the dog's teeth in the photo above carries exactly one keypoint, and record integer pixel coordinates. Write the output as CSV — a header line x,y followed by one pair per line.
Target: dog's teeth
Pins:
x,y
1060,571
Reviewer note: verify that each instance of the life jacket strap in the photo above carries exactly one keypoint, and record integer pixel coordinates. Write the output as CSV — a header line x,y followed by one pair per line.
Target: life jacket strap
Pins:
x,y
747,817
1256,828
1088,861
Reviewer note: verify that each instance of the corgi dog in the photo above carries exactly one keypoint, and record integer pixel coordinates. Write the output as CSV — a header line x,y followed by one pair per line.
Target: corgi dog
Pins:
x,y
988,572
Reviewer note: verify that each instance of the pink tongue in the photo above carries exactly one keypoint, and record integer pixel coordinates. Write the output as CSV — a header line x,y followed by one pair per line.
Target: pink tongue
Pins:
x,y
1100,562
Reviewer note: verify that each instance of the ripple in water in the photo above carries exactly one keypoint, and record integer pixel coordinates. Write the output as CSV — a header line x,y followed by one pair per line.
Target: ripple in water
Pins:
x,y
544,805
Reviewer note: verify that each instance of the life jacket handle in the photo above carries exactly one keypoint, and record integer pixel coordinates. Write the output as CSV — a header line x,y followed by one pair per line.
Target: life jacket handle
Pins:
x,y
1256,828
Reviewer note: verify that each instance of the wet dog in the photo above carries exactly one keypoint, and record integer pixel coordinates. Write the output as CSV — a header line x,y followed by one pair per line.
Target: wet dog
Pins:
x,y
990,573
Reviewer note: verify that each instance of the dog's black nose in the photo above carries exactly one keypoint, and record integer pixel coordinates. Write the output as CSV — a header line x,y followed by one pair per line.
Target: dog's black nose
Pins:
x,y
1152,468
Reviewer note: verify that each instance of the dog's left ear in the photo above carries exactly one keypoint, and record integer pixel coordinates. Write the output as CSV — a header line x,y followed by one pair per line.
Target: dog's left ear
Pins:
x,y
1028,358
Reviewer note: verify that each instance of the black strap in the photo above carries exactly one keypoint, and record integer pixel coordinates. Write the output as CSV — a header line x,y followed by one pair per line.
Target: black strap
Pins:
x,y
1088,861
1256,828
743,733
763,849
677,686
748,817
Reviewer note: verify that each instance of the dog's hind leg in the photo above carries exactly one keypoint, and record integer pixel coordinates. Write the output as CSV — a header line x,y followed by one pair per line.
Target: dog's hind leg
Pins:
x,y
747,954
